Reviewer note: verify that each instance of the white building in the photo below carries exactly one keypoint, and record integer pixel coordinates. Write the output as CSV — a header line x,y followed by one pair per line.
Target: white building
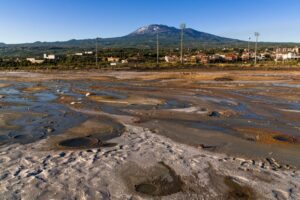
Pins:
x,y
78,54
88,52
124,61
49,57
113,59
34,61
287,56
295,50
171,59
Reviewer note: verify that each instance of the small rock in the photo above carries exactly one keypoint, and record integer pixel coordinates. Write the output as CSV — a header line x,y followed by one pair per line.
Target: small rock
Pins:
x,y
245,163
73,102
2,96
263,165
62,154
240,159
50,130
287,167
273,163
257,137
214,114
243,169
155,131
89,94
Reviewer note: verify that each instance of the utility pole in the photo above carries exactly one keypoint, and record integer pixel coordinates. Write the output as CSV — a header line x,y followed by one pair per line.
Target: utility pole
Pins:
x,y
256,34
249,54
96,53
182,27
157,49
249,44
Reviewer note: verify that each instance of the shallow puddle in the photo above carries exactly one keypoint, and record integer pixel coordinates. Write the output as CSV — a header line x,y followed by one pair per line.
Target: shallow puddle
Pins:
x,y
81,142
93,133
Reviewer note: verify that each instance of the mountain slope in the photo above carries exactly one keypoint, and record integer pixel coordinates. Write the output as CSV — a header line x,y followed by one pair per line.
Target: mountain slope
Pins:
x,y
142,38
2,44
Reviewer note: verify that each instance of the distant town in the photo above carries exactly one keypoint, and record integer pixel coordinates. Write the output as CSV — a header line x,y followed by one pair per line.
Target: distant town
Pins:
x,y
119,58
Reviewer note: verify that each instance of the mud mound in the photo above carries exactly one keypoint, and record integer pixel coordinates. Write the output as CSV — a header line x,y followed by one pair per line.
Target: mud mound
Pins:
x,y
237,191
158,180
93,133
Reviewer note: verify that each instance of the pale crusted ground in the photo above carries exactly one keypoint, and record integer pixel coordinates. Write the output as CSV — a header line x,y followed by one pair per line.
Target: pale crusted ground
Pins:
x,y
26,172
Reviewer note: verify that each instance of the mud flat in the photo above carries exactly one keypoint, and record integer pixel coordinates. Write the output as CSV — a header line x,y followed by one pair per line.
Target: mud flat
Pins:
x,y
170,135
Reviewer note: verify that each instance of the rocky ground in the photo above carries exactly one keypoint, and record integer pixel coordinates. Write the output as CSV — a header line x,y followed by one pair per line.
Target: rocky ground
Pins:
x,y
128,135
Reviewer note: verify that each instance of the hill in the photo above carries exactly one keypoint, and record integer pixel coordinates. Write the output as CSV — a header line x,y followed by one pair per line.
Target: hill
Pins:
x,y
142,38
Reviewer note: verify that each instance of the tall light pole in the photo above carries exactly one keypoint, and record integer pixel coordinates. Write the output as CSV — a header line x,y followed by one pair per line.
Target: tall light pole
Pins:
x,y
182,27
256,34
157,49
249,39
249,54
96,53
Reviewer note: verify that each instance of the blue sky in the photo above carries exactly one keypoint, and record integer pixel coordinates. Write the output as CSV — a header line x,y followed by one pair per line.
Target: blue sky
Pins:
x,y
54,20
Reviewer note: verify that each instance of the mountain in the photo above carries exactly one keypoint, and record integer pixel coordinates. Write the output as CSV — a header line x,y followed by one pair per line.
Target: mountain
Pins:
x,y
2,44
170,33
142,38
169,37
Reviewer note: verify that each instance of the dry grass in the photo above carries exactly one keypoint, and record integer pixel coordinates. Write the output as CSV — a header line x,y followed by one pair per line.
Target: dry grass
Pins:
x,y
266,136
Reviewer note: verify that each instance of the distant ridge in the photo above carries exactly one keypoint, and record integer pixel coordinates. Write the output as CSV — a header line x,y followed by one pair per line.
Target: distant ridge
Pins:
x,y
142,38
